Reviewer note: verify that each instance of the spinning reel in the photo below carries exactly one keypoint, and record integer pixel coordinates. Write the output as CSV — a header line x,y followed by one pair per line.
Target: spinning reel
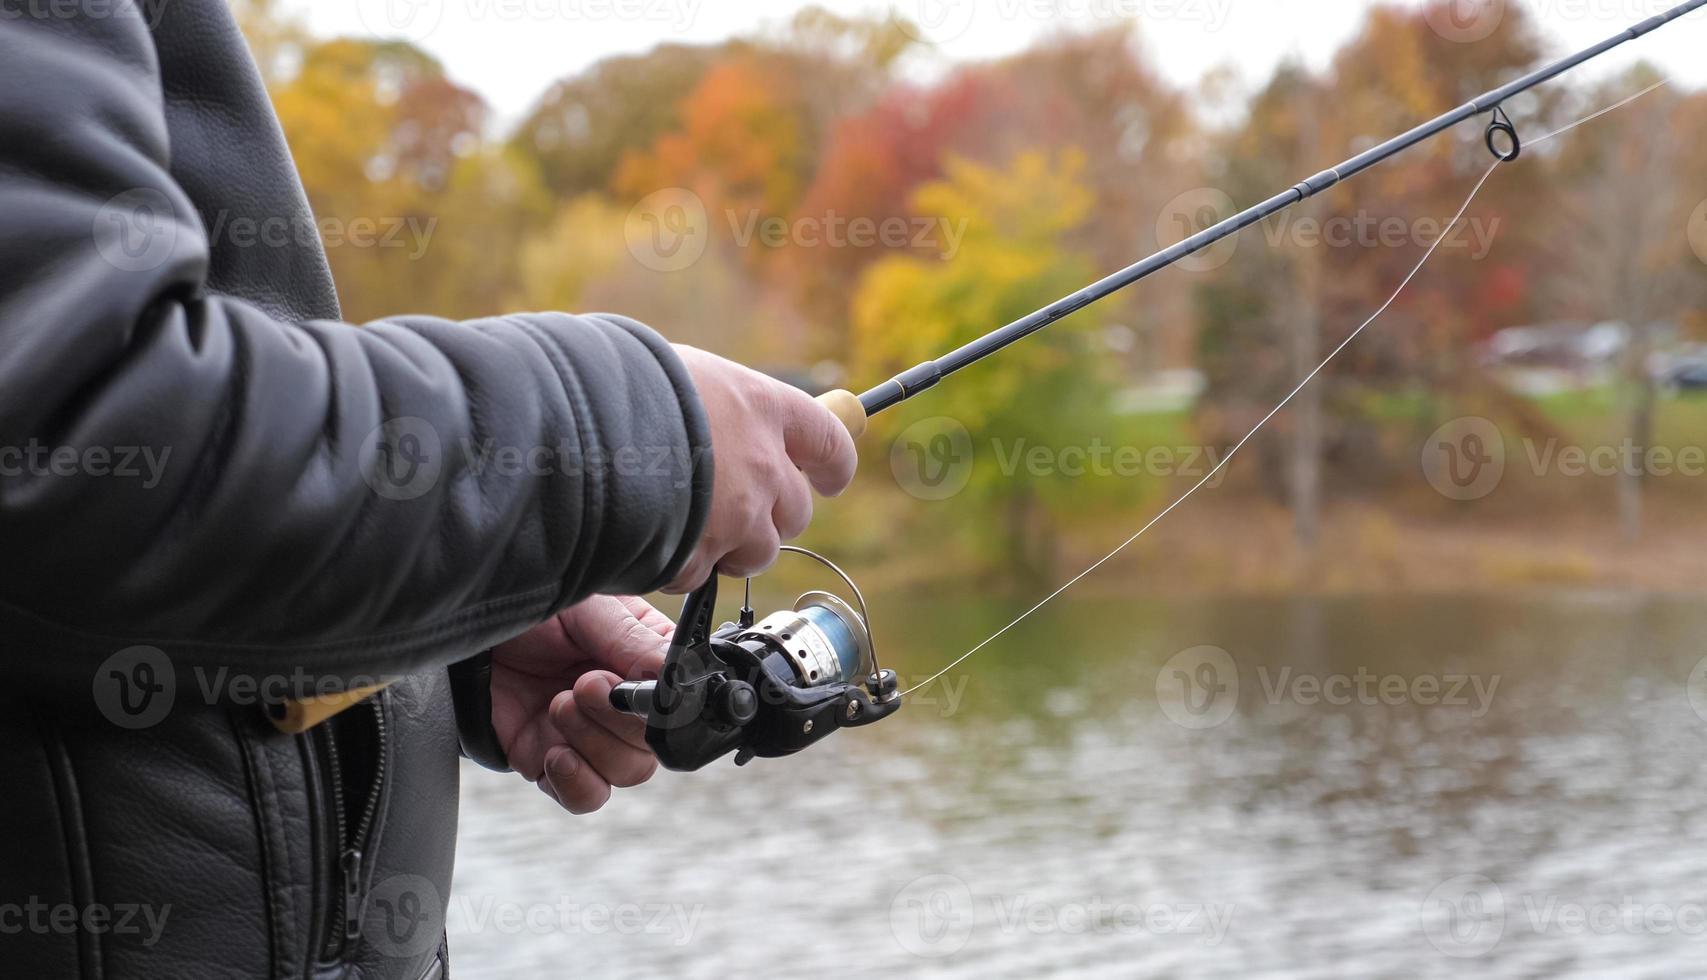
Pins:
x,y
767,687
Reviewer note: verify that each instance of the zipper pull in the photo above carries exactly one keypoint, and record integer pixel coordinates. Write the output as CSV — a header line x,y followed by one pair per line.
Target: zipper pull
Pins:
x,y
351,864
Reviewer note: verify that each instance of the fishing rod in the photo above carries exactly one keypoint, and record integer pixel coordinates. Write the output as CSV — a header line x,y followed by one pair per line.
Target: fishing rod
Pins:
x,y
1501,137
777,686
774,686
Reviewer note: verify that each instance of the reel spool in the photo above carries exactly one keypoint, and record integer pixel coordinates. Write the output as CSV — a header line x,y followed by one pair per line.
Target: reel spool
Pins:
x,y
762,688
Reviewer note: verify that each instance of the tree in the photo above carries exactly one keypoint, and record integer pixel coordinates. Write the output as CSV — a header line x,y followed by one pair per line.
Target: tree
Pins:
x,y
1615,248
1015,259
417,211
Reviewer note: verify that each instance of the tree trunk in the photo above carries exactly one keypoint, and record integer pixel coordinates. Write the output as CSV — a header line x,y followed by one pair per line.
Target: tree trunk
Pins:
x,y
1305,476
1632,479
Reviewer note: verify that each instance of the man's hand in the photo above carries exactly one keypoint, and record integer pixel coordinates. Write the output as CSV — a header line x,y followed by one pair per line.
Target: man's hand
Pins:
x,y
551,699
773,445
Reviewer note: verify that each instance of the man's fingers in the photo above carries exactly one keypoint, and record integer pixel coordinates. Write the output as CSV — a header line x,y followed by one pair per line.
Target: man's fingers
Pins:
x,y
819,445
616,761
648,614
590,702
577,786
793,511
611,635
757,553
693,574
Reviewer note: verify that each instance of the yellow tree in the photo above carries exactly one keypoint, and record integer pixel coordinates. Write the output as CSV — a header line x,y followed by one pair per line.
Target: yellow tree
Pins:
x,y
419,213
1049,394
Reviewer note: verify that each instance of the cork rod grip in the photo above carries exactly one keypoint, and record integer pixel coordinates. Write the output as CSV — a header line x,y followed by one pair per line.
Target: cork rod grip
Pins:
x,y
845,405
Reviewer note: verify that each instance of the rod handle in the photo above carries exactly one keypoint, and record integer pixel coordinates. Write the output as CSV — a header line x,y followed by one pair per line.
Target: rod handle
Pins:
x,y
296,717
845,405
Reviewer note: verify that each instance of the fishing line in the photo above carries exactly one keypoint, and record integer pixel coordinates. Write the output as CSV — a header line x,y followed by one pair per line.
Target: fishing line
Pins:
x,y
1450,227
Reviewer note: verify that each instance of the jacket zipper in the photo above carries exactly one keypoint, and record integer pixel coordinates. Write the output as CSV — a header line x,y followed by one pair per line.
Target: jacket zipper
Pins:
x,y
345,919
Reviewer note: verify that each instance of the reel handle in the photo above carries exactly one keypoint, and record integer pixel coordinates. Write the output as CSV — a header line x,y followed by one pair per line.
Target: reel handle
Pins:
x,y
846,406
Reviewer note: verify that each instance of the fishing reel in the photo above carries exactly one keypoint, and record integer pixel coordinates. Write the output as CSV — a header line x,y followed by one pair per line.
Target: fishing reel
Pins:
x,y
765,688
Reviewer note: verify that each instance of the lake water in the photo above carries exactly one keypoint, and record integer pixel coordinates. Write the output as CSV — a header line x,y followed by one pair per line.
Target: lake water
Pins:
x,y
1412,787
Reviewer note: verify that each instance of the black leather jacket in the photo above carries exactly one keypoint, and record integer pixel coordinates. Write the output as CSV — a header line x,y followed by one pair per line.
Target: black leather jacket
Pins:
x,y
213,491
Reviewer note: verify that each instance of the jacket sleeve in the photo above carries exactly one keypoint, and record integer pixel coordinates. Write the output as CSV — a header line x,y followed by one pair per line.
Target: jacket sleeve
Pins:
x,y
182,469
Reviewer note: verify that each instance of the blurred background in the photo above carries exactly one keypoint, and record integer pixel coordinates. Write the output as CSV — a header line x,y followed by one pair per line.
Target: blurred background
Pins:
x,y
1414,686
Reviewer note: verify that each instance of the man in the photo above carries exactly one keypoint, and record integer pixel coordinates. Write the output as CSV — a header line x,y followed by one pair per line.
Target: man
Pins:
x,y
213,493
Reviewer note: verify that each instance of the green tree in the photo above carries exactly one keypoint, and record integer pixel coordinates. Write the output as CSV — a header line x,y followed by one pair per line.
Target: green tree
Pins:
x,y
1053,392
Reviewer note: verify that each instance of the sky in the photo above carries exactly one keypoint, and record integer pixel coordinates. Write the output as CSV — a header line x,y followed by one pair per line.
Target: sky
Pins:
x,y
511,50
